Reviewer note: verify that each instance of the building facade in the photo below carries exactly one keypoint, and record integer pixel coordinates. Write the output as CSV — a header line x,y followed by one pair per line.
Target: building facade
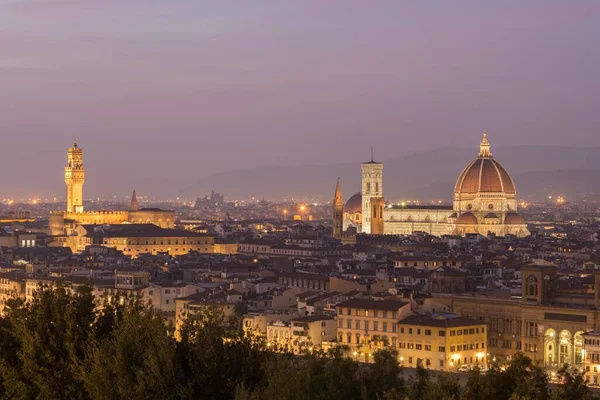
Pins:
x,y
63,222
484,201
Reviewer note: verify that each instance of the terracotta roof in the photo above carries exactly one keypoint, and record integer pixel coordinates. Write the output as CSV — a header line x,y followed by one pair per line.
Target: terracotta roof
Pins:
x,y
439,322
369,304
467,219
354,204
514,219
484,175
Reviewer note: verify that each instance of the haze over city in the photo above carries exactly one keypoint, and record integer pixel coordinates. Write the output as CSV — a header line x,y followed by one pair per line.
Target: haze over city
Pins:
x,y
163,94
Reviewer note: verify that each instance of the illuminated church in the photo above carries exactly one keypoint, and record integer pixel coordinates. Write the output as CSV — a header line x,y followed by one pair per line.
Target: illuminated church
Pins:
x,y
63,222
485,201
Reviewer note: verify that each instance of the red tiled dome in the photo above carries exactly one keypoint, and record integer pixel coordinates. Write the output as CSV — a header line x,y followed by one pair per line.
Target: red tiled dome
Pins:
x,y
354,204
484,175
514,219
467,219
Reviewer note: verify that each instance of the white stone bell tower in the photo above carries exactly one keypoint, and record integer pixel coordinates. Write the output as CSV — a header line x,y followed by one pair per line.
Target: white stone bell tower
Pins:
x,y
372,188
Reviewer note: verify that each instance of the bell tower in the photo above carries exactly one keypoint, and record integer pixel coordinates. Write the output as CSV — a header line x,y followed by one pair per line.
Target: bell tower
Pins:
x,y
372,188
74,179
338,212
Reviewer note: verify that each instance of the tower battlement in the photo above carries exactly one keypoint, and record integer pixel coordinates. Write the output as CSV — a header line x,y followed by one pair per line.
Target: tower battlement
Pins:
x,y
74,178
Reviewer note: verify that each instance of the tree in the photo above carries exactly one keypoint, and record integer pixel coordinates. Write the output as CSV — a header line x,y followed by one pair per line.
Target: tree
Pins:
x,y
384,375
137,360
50,334
573,386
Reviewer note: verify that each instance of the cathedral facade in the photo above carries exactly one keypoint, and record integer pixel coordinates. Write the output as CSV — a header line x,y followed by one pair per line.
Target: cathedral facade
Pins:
x,y
484,201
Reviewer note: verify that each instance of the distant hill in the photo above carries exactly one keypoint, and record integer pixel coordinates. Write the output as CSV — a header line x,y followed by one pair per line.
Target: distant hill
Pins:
x,y
537,170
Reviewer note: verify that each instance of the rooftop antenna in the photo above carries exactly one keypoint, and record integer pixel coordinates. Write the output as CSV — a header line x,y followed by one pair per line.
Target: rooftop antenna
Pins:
x,y
372,154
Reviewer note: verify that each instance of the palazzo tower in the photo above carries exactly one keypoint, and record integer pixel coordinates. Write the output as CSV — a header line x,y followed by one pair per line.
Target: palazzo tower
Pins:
x,y
74,179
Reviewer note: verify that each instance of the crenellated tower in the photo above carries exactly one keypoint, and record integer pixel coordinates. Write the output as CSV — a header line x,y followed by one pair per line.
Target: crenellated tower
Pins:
x,y
338,212
372,188
74,179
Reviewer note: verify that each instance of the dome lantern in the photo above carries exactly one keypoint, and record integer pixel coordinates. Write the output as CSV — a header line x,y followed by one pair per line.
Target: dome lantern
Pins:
x,y
484,147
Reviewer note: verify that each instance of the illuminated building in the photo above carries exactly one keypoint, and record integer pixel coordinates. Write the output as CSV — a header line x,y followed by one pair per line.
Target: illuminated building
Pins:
x,y
136,239
63,224
485,201
441,342
338,212
545,324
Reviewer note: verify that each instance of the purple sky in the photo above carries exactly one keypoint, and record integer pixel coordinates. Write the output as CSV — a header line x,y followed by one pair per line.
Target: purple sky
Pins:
x,y
161,93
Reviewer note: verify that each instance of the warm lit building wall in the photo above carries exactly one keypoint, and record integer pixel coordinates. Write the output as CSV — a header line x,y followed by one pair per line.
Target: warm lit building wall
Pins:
x,y
134,246
441,344
226,248
591,356
364,324
10,286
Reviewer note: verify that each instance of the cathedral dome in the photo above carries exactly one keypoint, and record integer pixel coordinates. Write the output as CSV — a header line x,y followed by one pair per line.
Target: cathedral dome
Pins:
x,y
514,219
354,204
466,219
484,175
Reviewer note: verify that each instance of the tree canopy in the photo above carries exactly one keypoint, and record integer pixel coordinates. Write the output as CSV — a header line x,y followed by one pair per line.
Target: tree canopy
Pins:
x,y
65,344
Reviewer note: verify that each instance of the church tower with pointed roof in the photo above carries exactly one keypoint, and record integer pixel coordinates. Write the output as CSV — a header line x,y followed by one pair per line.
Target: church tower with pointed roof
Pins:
x,y
135,206
338,212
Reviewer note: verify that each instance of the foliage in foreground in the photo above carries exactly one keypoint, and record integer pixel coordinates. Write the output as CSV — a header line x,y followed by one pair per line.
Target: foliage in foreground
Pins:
x,y
60,345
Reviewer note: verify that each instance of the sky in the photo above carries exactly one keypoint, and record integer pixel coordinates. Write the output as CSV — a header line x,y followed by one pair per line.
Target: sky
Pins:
x,y
162,93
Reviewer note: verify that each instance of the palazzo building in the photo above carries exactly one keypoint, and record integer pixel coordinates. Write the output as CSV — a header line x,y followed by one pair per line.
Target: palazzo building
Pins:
x,y
484,201
545,324
63,222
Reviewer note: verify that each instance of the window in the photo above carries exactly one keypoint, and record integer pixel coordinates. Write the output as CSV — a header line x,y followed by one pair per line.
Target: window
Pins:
x,y
402,345
418,331
410,331
385,314
394,328
340,323
366,325
442,349
427,347
441,363
427,332
376,314
401,330
452,333
349,323
410,346
442,333
419,347
459,347
452,348
384,326
459,332
375,326
493,342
